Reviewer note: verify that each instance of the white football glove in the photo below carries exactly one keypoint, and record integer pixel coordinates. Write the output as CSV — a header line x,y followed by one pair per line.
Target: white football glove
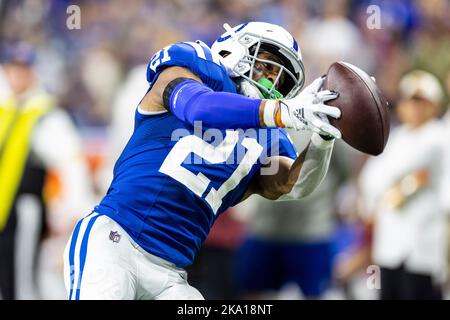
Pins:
x,y
306,111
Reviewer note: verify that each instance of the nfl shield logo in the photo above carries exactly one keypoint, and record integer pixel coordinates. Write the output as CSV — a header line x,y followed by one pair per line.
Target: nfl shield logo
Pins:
x,y
114,236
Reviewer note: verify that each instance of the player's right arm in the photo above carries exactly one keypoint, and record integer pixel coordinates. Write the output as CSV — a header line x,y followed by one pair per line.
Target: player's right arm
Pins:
x,y
154,100
180,91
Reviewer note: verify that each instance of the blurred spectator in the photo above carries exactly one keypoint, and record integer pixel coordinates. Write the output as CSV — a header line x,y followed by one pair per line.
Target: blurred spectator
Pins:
x,y
446,180
401,190
35,137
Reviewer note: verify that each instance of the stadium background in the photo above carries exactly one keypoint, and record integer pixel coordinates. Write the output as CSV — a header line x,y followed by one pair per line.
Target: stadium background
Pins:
x,y
97,75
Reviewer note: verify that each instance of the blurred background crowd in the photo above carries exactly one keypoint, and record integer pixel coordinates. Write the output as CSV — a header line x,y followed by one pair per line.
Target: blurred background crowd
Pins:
x,y
77,90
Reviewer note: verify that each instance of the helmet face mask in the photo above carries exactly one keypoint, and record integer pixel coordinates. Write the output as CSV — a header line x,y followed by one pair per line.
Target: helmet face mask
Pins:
x,y
239,52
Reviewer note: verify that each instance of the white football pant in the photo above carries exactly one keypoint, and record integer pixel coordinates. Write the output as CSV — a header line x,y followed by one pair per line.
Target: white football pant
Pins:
x,y
101,261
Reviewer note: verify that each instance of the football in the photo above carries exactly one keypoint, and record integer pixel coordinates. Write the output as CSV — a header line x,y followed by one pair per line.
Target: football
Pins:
x,y
364,121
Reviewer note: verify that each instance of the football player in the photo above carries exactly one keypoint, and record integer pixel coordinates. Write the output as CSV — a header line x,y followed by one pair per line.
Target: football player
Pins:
x,y
207,134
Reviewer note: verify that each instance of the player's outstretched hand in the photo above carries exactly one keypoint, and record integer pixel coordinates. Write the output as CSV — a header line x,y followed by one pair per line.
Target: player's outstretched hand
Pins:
x,y
308,111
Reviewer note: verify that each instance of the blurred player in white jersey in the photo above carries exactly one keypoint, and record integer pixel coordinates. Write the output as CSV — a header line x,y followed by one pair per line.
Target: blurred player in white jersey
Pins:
x,y
401,194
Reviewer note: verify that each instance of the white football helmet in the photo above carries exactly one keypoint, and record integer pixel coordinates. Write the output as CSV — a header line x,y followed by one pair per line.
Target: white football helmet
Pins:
x,y
239,46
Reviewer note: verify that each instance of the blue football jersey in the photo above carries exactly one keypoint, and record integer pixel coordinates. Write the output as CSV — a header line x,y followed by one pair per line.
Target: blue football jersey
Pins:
x,y
173,179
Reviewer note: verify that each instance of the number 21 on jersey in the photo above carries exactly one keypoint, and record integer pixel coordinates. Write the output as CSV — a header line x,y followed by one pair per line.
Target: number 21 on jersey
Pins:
x,y
198,183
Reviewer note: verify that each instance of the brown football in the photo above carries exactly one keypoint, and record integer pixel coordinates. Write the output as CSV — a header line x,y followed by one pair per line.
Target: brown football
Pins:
x,y
364,121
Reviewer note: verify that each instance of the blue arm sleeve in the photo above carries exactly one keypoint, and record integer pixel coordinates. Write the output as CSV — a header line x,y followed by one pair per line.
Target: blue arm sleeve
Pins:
x,y
193,101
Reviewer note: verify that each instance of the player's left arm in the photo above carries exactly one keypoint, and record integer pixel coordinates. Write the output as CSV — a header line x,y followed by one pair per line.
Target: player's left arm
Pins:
x,y
297,178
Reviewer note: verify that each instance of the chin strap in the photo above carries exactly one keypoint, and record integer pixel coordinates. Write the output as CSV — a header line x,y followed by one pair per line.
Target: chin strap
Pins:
x,y
270,92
